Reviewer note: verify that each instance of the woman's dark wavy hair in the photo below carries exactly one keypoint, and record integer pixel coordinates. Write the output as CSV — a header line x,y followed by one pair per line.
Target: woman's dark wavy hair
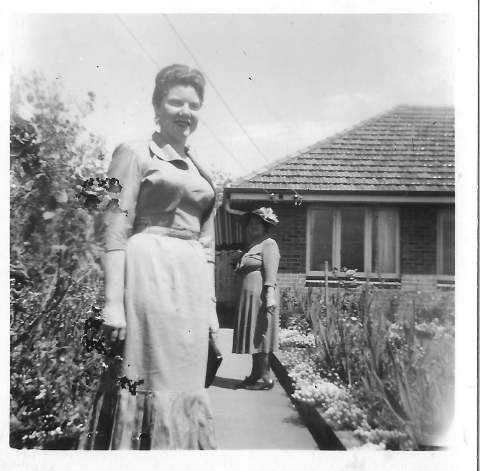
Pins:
x,y
177,74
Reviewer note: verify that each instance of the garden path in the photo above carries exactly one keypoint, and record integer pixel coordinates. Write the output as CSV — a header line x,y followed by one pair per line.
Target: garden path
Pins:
x,y
252,419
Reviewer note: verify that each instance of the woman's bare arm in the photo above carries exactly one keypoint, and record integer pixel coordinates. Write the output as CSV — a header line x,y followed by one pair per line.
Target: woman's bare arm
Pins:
x,y
114,310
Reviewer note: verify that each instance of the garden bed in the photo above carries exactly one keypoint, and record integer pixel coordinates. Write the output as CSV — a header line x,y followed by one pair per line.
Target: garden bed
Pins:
x,y
332,402
378,380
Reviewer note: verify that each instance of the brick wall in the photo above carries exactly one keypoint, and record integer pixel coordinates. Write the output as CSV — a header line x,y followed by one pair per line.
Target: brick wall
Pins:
x,y
291,280
291,238
422,291
417,292
418,240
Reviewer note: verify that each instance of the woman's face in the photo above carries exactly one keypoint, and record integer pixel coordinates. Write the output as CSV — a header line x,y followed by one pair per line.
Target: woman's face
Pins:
x,y
255,228
178,113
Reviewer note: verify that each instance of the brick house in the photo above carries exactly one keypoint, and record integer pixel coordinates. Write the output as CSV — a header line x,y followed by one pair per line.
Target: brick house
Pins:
x,y
378,197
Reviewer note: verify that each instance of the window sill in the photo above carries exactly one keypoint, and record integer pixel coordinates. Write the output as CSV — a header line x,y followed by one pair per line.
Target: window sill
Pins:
x,y
446,284
392,283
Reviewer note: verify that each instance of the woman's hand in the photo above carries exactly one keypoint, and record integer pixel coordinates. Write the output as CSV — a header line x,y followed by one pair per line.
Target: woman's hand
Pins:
x,y
114,310
270,299
236,258
115,323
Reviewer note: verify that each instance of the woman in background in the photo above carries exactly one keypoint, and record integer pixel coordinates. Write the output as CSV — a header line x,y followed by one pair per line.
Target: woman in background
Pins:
x,y
257,317
159,282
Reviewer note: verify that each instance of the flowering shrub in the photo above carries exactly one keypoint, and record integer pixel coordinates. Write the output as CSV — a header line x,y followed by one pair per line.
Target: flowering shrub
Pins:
x,y
50,386
390,439
292,337
334,400
55,274
344,415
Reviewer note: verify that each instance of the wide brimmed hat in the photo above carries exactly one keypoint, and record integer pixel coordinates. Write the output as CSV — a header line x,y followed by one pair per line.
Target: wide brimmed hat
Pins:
x,y
266,214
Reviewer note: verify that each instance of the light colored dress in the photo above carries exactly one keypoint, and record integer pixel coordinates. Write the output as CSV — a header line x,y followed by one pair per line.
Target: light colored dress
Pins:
x,y
168,237
256,330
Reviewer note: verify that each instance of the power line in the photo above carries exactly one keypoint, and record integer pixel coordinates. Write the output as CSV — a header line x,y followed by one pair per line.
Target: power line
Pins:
x,y
152,59
134,37
298,200
215,88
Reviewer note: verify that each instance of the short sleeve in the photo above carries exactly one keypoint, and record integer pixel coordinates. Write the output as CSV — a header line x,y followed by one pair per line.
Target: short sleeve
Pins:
x,y
271,260
125,168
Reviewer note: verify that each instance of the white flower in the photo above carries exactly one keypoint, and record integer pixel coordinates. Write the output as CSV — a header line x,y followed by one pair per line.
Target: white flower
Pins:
x,y
41,394
267,214
57,431
291,337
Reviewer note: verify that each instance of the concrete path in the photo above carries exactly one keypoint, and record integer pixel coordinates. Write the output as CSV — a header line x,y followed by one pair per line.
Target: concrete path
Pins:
x,y
252,419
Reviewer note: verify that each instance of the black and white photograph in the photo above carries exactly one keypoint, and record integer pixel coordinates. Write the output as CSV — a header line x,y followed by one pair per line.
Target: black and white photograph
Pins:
x,y
242,231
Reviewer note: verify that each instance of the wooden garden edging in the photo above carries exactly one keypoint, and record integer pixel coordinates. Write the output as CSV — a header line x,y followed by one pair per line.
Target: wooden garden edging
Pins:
x,y
321,432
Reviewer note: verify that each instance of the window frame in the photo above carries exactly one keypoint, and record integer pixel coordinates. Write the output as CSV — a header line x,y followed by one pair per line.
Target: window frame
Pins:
x,y
367,245
441,213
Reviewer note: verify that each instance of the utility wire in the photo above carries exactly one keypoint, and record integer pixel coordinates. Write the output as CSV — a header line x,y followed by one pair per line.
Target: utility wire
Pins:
x,y
298,198
134,37
152,59
215,88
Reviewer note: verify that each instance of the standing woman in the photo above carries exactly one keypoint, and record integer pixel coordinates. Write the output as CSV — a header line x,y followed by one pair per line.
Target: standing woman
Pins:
x,y
159,282
257,317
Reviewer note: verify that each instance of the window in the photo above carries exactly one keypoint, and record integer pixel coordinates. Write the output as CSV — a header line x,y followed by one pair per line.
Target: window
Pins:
x,y
446,242
321,226
365,239
352,238
384,241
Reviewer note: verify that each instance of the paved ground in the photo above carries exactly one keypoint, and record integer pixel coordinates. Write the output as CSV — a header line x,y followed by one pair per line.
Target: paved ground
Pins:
x,y
252,419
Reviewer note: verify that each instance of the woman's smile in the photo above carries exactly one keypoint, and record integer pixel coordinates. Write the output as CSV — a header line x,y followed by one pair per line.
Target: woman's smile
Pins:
x,y
183,123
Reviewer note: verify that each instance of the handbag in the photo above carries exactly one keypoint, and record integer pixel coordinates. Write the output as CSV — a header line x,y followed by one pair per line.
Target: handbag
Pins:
x,y
214,360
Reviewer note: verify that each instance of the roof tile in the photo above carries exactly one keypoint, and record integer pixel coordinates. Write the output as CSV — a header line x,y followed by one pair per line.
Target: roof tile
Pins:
x,y
409,148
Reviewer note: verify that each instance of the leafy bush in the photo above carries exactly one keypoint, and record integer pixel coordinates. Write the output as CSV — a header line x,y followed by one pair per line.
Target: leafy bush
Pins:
x,y
293,311
55,266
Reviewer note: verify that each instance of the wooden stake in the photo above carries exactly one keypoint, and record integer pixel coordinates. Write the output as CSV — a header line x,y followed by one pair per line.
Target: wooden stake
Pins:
x,y
326,288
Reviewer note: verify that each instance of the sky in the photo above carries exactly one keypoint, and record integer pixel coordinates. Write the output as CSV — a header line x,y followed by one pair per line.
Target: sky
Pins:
x,y
276,83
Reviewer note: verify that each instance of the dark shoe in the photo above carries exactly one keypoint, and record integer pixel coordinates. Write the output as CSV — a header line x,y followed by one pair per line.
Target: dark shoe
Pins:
x,y
248,381
261,385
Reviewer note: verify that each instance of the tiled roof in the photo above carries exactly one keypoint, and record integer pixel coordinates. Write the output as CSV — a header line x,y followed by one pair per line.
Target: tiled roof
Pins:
x,y
409,149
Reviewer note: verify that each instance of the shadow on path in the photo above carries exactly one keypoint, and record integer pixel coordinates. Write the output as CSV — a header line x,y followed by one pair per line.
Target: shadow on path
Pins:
x,y
294,419
226,383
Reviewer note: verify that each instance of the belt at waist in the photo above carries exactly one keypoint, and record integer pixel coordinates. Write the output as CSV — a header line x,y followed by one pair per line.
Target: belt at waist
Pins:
x,y
171,232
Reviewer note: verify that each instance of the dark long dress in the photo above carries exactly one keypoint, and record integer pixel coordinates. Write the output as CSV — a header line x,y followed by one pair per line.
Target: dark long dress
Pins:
x,y
256,330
